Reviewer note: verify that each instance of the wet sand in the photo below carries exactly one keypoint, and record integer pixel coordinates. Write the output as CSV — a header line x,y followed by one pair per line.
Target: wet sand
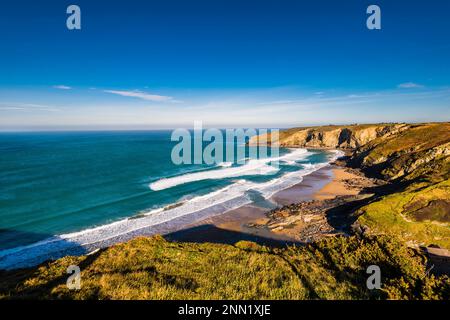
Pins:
x,y
238,224
307,189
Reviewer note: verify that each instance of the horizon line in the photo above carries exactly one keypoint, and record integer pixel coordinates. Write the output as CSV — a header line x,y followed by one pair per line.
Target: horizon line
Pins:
x,y
81,129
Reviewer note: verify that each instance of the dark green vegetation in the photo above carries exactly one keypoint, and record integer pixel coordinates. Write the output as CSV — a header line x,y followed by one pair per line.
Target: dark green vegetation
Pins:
x,y
153,268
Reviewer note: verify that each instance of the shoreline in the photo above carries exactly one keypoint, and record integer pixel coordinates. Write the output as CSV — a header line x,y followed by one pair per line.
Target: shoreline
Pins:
x,y
321,190
232,226
206,225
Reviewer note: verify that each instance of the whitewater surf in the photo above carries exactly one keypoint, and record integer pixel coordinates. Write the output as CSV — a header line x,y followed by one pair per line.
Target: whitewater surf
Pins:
x,y
173,216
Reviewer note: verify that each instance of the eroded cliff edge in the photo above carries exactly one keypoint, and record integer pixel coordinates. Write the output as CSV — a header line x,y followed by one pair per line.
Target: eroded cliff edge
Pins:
x,y
411,209
413,160
336,137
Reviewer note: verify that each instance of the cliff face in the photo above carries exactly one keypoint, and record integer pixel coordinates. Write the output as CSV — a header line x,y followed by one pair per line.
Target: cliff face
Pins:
x,y
342,137
416,162
419,150
388,151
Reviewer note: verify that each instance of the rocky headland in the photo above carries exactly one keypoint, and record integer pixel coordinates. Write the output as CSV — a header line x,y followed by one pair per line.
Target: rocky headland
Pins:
x,y
389,206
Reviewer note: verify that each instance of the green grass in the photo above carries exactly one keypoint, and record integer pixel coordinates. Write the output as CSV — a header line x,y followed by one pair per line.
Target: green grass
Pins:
x,y
420,213
153,268
395,214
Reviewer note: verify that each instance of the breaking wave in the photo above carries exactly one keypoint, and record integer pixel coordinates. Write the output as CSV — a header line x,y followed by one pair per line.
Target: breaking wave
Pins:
x,y
167,219
252,167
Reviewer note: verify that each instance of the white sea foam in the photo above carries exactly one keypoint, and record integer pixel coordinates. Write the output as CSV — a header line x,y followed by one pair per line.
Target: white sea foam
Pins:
x,y
219,201
252,167
225,164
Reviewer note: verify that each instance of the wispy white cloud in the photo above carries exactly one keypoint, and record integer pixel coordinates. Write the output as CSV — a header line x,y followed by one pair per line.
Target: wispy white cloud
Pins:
x,y
229,108
314,102
409,85
62,87
27,107
142,95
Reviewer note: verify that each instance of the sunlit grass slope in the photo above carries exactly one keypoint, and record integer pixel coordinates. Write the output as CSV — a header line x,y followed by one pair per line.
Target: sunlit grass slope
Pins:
x,y
153,268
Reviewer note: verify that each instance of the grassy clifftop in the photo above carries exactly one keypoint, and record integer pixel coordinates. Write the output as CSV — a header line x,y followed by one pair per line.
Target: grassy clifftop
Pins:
x,y
411,209
419,214
152,268
415,161
417,151
416,202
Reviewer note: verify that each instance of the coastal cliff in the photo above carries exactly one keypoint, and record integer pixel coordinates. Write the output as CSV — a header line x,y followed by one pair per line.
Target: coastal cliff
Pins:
x,y
392,224
414,162
335,137
388,151
418,150
415,202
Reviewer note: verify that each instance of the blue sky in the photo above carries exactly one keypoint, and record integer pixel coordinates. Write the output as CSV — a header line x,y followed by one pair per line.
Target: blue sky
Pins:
x,y
164,64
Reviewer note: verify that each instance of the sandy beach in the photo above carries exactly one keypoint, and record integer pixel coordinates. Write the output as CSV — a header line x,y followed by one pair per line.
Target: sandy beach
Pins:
x,y
316,193
337,186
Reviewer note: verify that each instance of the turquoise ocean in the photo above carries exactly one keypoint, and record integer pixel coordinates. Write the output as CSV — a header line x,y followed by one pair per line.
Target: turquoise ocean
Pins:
x,y
72,192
